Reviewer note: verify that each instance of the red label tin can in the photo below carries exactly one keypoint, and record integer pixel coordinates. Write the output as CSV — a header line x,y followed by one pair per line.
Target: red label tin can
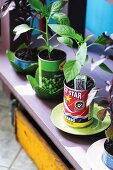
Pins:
x,y
76,113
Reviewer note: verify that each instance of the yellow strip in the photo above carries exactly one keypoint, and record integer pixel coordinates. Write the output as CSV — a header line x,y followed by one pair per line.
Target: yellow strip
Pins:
x,y
72,124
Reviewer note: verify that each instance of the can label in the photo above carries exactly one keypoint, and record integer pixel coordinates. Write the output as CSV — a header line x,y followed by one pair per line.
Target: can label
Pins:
x,y
51,75
75,110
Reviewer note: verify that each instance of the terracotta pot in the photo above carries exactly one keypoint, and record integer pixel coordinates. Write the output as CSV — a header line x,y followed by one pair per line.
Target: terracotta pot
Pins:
x,y
76,113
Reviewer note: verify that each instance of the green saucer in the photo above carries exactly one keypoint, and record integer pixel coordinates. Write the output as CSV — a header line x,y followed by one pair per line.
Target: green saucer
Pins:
x,y
57,118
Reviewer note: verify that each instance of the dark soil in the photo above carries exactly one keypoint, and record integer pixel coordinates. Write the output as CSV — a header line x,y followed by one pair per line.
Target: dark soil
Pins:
x,y
108,145
27,54
55,55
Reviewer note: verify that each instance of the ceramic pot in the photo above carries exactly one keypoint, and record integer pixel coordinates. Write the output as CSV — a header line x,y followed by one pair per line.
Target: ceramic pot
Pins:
x,y
51,75
107,158
76,113
22,63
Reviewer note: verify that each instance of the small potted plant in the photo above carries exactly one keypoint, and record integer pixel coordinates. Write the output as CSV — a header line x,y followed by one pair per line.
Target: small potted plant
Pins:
x,y
24,59
107,104
48,81
79,89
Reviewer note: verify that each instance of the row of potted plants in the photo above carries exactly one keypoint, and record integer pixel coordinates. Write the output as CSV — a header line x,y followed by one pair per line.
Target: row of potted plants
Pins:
x,y
53,74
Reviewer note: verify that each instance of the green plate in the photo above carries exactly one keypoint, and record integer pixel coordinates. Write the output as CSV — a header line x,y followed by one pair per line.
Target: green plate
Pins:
x,y
57,118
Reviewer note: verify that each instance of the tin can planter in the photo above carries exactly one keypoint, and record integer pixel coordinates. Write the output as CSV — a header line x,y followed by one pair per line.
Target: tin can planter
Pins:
x,y
107,156
50,76
22,63
22,66
76,113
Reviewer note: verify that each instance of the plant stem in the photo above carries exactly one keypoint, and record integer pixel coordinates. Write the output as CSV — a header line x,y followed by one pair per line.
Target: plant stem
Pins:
x,y
47,37
39,30
91,45
52,36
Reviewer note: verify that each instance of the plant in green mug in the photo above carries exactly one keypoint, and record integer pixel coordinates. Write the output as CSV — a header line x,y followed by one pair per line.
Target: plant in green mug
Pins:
x,y
49,76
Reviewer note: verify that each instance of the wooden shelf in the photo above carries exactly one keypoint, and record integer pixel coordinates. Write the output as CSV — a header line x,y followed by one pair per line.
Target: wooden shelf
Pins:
x,y
71,146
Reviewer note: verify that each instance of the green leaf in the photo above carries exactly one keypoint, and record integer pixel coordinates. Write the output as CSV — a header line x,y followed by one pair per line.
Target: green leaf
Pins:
x,y
97,63
32,68
78,37
57,6
32,81
101,114
81,54
16,67
71,69
41,37
22,46
37,5
65,30
61,18
105,68
21,29
87,57
10,55
88,38
50,48
45,11
91,95
109,132
41,48
66,41
102,40
37,75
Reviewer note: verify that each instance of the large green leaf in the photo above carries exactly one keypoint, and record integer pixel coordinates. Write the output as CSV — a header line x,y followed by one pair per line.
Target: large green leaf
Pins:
x,y
65,30
102,40
57,6
10,55
21,29
37,5
32,81
66,41
81,54
61,18
105,68
71,69
88,38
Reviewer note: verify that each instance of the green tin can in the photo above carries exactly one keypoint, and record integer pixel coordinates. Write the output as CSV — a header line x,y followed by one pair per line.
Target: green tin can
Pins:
x,y
51,75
